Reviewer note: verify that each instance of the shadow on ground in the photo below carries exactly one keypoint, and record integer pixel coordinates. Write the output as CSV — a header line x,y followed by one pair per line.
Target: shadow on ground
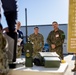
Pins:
x,y
74,73
73,58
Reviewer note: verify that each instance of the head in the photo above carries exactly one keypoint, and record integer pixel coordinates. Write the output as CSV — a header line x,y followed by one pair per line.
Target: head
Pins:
x,y
1,28
18,25
55,25
36,30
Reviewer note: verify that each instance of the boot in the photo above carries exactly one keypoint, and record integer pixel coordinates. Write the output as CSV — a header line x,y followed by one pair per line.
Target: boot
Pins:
x,y
75,64
73,70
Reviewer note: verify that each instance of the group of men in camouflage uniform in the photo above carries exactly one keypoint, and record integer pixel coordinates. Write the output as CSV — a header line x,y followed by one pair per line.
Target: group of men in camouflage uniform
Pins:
x,y
55,40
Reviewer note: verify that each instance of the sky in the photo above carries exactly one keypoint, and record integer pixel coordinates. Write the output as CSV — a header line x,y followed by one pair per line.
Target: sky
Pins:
x,y
41,12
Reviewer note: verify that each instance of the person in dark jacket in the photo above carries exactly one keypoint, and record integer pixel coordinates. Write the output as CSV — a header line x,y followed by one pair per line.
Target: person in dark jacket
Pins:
x,y
20,37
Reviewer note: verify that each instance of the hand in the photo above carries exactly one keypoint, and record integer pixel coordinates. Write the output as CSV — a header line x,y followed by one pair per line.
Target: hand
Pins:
x,y
6,29
53,46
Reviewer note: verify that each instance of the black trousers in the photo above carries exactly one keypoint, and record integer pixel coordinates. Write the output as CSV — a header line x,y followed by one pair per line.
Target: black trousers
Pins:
x,y
10,12
14,36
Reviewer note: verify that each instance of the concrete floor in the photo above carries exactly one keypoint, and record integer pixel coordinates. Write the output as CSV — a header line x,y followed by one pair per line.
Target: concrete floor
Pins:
x,y
70,60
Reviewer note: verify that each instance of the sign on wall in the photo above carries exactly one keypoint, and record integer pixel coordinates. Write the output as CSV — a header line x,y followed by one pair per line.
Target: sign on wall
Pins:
x,y
72,27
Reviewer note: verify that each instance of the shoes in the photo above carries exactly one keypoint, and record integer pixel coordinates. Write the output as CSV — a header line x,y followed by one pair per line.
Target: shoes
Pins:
x,y
63,61
74,70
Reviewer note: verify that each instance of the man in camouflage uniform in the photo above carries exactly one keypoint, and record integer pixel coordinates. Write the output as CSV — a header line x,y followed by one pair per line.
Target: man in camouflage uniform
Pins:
x,y
4,68
55,40
37,40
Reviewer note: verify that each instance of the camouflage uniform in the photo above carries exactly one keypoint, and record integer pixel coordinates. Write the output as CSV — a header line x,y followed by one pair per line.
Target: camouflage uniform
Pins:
x,y
56,38
3,56
38,43
19,51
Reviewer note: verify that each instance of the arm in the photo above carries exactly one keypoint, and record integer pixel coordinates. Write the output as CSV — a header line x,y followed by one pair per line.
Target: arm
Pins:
x,y
30,38
42,41
3,42
48,39
52,45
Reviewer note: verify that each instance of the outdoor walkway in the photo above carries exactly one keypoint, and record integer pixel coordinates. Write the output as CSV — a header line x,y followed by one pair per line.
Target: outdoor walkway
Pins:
x,y
70,60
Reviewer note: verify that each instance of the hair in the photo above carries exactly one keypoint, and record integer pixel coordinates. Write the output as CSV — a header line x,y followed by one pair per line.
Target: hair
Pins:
x,y
1,26
54,22
36,27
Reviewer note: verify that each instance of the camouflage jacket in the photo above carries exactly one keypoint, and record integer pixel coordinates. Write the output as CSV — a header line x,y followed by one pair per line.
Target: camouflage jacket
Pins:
x,y
56,38
37,41
3,55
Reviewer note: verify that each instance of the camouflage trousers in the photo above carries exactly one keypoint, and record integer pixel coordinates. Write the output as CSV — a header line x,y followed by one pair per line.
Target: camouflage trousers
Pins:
x,y
19,51
4,74
4,68
36,51
59,51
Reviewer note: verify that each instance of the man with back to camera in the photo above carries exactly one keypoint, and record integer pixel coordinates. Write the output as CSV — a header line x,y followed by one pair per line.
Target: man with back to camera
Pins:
x,y
55,40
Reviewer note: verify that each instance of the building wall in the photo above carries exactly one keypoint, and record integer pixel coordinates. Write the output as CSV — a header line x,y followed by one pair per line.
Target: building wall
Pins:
x,y
45,30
